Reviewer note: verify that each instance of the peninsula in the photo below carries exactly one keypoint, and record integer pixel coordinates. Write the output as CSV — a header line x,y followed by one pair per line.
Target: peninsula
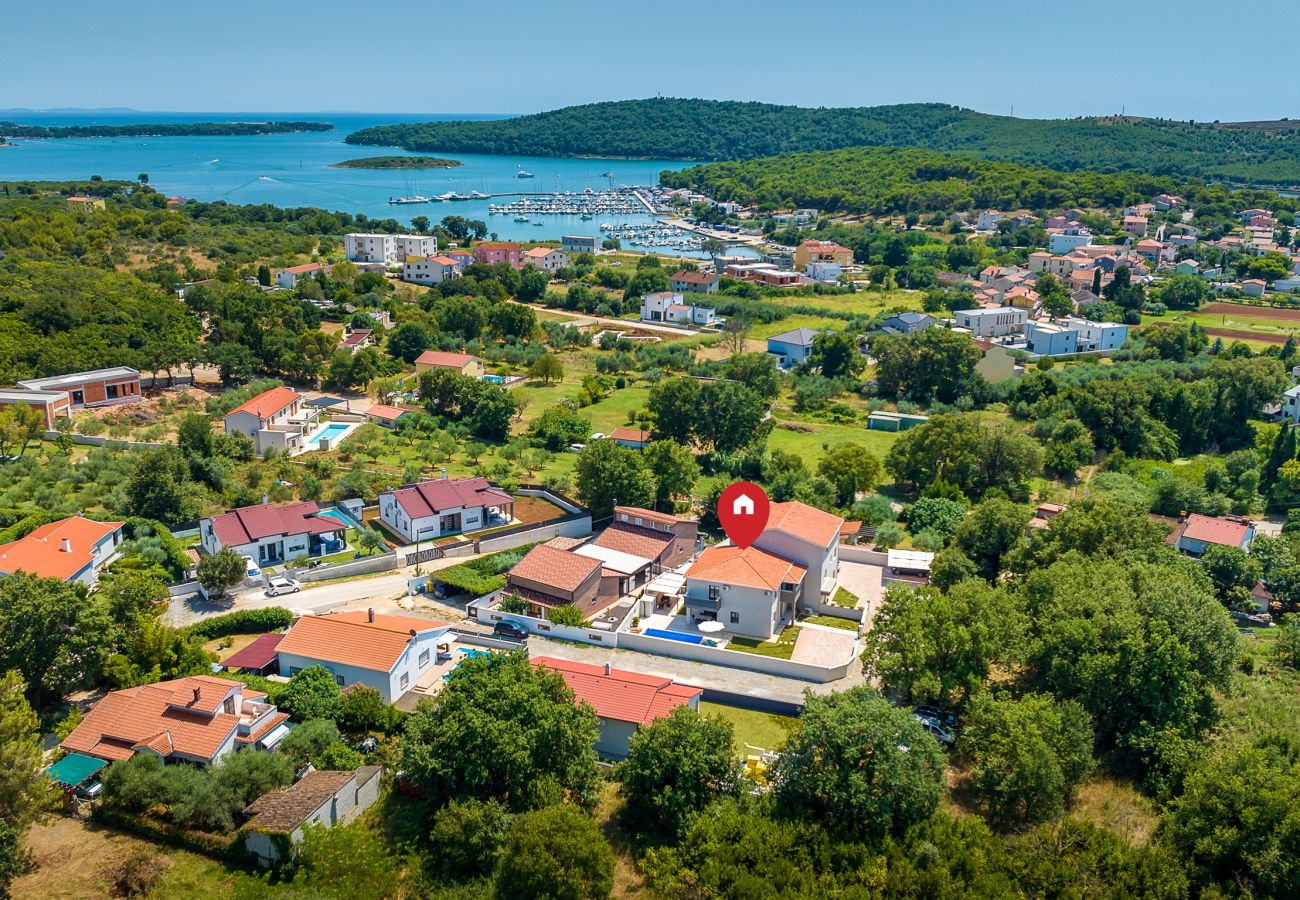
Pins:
x,y
397,162
161,129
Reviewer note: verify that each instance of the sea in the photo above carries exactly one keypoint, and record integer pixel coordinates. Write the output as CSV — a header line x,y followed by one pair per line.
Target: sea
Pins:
x,y
293,170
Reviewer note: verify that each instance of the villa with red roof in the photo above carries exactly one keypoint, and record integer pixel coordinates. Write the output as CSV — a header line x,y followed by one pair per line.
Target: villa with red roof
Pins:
x,y
196,720
432,509
289,278
387,653
273,420
756,591
72,550
632,438
546,259
623,701
430,270
385,415
548,577
270,534
1197,533
355,339
688,282
460,363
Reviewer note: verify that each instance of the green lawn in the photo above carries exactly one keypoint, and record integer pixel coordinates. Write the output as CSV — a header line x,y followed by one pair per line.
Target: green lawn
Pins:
x,y
832,622
808,444
866,303
845,597
781,647
764,330
757,729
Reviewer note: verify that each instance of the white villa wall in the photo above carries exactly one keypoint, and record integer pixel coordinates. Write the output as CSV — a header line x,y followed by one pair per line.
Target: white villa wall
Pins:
x,y
756,610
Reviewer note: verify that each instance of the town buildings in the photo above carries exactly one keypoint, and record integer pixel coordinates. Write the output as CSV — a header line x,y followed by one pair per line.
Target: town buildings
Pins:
x,y
823,252
998,321
430,270
83,204
579,243
73,550
548,577
432,509
546,259
496,253
388,248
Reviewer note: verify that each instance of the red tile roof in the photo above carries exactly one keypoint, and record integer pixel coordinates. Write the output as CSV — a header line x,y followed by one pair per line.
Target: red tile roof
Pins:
x,y
555,568
165,717
747,567
428,498
267,403
630,434
646,515
498,245
257,655
640,542
252,523
807,522
41,552
1214,530
444,360
381,411
445,260
621,695
694,277
349,638
305,267
360,336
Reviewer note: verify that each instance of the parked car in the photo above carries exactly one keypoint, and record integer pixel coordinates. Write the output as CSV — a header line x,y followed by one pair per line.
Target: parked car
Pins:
x,y
577,448
511,630
368,745
89,790
941,732
280,585
251,569
934,712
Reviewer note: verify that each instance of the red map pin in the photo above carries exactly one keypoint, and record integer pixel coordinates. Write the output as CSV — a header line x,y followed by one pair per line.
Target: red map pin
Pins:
x,y
742,510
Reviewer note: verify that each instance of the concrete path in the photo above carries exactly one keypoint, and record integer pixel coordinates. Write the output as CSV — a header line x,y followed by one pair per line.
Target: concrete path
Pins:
x,y
865,581
823,646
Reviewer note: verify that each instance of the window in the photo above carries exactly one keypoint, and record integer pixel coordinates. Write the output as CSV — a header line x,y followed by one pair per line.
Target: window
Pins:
x,y
406,679
294,670
229,706
735,618
424,658
338,679
714,592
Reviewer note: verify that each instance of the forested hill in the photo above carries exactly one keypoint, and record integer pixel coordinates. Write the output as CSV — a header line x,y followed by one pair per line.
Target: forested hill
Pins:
x,y
1264,153
891,180
160,129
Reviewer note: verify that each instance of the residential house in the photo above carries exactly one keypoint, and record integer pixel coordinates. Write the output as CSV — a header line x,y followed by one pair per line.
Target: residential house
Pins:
x,y
623,701
1073,335
910,567
408,245
387,653
52,405
1045,513
687,282
384,415
321,797
1182,240
1291,403
429,270
460,363
1254,287
792,347
73,550
83,204
548,577
101,387
988,220
632,438
198,719
753,592
1150,249
666,306
822,251
270,534
882,420
546,259
370,248
994,322
579,243
496,253
996,362
1050,339
1023,297
433,509
274,420
1197,533
908,323
355,339
1097,336
1140,209
638,545
1164,202
1135,225
1188,267
289,278
810,537
1069,238
823,271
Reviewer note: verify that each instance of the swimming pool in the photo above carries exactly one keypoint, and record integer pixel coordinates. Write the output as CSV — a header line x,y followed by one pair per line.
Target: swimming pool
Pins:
x,y
495,379
336,515
333,432
674,636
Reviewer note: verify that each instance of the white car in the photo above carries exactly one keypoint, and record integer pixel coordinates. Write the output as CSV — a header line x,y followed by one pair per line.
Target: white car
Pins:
x,y
250,568
278,586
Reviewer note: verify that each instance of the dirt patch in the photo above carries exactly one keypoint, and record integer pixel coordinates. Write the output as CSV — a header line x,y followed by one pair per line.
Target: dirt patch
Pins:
x,y
72,858
1236,335
531,510
1251,312
1118,807
236,643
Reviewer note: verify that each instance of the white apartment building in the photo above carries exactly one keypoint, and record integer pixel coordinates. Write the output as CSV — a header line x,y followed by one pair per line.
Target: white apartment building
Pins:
x,y
388,248
998,321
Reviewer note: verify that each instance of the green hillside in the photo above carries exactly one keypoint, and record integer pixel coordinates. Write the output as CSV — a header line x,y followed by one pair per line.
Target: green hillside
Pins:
x,y
1257,152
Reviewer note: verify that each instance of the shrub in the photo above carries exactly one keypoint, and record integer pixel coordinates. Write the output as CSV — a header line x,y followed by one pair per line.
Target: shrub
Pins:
x,y
467,837
244,621
567,615
338,757
304,743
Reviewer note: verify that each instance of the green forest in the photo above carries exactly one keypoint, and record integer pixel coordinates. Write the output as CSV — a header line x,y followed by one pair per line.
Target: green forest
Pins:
x,y
397,162
1265,153
885,181
160,129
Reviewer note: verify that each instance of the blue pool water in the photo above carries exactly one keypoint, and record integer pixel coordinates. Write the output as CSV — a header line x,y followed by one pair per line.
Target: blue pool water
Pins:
x,y
331,432
495,379
674,636
336,515
470,651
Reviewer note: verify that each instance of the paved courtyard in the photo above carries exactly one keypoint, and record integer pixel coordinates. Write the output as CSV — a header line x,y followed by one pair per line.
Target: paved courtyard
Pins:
x,y
864,581
821,645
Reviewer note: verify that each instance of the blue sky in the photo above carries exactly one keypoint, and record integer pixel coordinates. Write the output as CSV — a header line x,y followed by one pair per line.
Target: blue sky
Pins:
x,y
1193,59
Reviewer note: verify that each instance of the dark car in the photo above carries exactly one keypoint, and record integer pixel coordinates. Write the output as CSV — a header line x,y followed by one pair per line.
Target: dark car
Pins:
x,y
942,715
510,630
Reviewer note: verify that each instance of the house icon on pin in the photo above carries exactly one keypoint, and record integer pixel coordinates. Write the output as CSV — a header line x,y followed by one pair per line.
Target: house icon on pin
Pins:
x,y
742,506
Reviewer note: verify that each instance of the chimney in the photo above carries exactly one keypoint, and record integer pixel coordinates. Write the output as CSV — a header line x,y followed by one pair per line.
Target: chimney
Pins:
x,y
196,695
66,546
412,632
609,669
370,615
444,473
265,500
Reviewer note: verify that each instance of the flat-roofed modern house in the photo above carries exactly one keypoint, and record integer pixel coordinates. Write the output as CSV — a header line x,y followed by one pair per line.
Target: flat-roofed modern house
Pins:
x,y
52,405
270,534
73,550
460,363
273,419
102,387
198,719
998,321
579,243
548,577
431,509
387,653
623,701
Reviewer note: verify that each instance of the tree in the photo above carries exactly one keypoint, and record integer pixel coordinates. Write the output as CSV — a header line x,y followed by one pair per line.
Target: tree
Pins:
x,y
363,707
51,635
735,335
757,371
408,340
937,514
312,694
1230,567
546,369
467,837
1098,528
674,469
1183,292
20,425
962,450
1069,448
14,860
933,364
1027,756
219,572
729,416
852,469
339,757
264,275
1053,295
529,747
672,405
675,768
370,540
558,427
557,852
24,788
990,532
835,354
194,435
859,766
347,861
607,473
156,486
949,567
307,741
926,646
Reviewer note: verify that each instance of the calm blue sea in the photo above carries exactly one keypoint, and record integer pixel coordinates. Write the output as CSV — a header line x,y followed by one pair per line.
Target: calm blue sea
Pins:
x,y
294,169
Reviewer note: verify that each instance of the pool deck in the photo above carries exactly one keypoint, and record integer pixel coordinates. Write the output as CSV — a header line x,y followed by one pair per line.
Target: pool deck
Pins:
x,y
344,429
432,681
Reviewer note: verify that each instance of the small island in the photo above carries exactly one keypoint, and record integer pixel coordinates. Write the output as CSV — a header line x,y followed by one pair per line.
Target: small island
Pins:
x,y
397,162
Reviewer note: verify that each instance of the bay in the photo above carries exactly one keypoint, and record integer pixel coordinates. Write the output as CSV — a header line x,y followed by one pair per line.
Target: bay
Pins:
x,y
293,170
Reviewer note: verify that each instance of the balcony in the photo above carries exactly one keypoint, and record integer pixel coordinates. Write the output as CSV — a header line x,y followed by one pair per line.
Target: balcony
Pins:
x,y
703,602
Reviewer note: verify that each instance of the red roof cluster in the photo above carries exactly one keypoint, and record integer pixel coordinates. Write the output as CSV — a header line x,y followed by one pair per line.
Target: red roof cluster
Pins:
x,y
41,552
373,642
555,568
1213,530
618,694
252,523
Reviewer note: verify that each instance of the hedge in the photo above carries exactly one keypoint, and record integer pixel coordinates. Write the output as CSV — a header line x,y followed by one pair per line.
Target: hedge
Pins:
x,y
484,574
244,621
218,846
